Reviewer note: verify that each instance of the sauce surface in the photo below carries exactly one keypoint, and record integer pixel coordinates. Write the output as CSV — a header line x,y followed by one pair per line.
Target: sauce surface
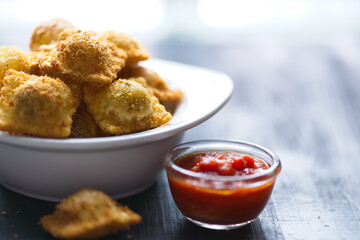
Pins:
x,y
222,163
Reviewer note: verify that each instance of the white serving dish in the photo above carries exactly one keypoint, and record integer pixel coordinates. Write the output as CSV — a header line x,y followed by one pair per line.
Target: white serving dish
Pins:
x,y
51,169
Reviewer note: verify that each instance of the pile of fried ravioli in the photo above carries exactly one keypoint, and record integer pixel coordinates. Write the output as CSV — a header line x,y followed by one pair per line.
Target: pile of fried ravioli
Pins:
x,y
81,84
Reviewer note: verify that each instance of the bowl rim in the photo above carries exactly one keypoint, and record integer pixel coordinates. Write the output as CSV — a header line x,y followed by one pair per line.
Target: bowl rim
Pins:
x,y
134,139
273,170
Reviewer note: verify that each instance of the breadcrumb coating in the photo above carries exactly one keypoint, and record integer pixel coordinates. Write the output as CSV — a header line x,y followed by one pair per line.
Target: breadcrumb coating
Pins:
x,y
83,57
46,35
13,58
39,106
167,97
135,51
124,107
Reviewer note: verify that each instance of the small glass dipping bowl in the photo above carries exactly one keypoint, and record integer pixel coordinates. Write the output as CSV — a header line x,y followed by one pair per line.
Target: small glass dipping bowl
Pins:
x,y
221,202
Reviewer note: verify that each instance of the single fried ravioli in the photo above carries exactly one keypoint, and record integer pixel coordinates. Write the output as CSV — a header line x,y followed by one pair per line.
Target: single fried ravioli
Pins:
x,y
82,57
167,97
46,35
124,107
39,106
135,51
88,214
12,58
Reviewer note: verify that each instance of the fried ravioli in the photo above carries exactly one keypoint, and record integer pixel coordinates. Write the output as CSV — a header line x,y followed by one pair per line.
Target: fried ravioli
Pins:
x,y
88,214
46,35
12,58
39,106
124,107
167,97
135,51
83,57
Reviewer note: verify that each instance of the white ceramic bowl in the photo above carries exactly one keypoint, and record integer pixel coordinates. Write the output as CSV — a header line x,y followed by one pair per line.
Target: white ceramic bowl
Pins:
x,y
51,169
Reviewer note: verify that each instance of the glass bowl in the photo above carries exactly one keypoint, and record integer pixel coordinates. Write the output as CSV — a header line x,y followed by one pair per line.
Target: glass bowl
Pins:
x,y
216,201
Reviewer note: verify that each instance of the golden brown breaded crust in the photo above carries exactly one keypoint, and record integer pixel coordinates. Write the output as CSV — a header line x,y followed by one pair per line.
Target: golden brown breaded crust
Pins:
x,y
35,58
76,91
12,58
39,106
46,35
117,53
167,97
88,214
142,81
124,107
84,125
135,51
82,57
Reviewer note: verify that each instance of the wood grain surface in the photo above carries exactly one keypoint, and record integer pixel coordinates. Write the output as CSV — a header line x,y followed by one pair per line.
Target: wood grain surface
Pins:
x,y
300,100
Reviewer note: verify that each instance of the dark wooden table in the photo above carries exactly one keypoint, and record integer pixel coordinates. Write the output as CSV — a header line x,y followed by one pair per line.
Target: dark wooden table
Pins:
x,y
300,100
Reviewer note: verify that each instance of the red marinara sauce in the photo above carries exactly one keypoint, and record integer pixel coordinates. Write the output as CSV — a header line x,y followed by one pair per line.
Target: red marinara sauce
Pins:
x,y
220,202
220,163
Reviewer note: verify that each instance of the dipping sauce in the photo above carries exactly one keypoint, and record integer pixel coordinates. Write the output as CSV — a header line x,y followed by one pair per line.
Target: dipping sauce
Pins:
x,y
222,163
222,191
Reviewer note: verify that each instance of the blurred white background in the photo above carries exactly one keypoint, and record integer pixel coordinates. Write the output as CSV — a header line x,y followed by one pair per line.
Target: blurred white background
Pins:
x,y
189,20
